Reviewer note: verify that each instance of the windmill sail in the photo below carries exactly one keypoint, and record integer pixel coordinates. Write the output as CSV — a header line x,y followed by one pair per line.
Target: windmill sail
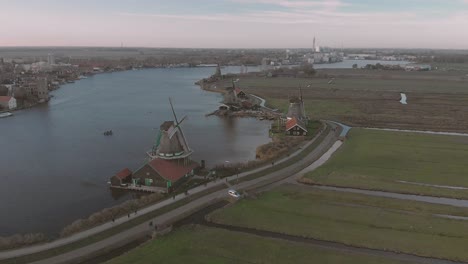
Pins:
x,y
171,142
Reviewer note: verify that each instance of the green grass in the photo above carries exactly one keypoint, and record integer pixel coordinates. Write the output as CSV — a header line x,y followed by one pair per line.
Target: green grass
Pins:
x,y
354,219
108,233
440,66
210,245
317,109
377,81
378,160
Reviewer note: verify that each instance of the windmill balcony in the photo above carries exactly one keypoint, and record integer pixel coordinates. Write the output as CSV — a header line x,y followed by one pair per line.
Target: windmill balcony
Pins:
x,y
171,154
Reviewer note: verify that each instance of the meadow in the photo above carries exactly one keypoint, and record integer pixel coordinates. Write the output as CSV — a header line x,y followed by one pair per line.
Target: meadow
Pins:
x,y
354,219
398,162
198,244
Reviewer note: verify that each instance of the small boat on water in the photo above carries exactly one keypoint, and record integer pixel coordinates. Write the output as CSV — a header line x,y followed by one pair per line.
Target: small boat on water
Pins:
x,y
108,133
6,114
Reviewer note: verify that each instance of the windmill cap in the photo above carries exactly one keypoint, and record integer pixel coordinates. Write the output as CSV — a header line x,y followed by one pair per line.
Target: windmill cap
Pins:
x,y
166,125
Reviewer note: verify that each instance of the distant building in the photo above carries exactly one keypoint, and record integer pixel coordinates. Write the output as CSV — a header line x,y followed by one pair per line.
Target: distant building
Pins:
x,y
295,127
50,59
42,89
8,102
418,67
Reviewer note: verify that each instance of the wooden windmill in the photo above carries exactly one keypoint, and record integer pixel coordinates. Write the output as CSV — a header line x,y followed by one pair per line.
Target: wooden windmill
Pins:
x,y
296,107
171,143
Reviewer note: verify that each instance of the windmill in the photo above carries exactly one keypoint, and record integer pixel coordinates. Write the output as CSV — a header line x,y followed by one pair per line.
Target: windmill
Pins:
x,y
171,143
296,107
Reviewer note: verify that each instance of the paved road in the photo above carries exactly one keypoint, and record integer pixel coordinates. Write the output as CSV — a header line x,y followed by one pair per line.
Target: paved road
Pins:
x,y
420,131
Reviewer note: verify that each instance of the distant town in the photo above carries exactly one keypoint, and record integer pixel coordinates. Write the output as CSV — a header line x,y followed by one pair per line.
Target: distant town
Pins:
x,y
27,75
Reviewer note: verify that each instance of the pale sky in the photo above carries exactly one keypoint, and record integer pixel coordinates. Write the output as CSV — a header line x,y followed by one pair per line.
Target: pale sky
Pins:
x,y
235,23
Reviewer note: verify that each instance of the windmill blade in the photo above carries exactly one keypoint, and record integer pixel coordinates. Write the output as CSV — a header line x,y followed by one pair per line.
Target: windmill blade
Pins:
x,y
182,120
182,139
172,132
157,143
173,112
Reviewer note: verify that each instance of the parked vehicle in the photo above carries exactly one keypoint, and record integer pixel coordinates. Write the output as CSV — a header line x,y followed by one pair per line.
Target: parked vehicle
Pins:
x,y
234,194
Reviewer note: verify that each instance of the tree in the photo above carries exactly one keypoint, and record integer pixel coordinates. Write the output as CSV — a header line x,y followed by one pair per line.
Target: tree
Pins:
x,y
20,93
355,66
308,69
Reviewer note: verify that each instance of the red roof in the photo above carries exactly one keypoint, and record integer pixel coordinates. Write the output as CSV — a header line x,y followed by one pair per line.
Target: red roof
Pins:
x,y
124,174
294,122
237,90
171,170
5,99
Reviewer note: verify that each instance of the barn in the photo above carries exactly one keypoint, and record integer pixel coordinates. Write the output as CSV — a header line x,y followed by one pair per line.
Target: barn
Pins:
x,y
295,127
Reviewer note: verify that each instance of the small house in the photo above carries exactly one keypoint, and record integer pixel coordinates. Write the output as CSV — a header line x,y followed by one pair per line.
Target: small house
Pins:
x,y
122,178
240,94
7,102
295,127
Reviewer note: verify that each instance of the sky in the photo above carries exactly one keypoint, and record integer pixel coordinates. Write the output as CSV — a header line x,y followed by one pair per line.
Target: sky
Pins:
x,y
438,24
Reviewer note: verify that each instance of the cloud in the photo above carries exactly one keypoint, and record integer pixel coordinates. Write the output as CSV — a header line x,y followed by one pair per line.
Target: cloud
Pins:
x,y
290,24
333,4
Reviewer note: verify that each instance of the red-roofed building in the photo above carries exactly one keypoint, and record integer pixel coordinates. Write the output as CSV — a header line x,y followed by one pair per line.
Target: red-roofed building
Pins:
x,y
164,173
295,127
239,93
121,178
7,102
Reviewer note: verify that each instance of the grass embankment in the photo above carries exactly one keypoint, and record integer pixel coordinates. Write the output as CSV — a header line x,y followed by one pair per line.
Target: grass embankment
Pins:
x,y
108,233
383,160
288,162
354,219
196,244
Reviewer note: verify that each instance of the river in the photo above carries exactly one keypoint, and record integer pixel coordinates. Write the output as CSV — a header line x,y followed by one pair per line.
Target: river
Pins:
x,y
55,161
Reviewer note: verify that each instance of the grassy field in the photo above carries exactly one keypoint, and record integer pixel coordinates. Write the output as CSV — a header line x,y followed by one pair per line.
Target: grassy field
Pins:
x,y
210,245
353,219
378,81
317,109
381,160
436,99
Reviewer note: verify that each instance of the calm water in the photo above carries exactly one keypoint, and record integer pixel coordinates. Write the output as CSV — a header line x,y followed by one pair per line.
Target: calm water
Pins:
x,y
55,162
